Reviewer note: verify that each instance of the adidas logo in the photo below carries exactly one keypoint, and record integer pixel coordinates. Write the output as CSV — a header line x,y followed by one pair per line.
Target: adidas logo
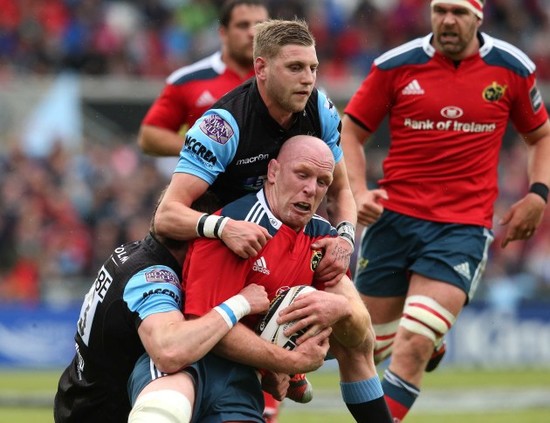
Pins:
x,y
205,99
261,266
413,88
463,269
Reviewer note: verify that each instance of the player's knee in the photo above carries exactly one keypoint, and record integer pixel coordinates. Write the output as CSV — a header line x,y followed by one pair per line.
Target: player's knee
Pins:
x,y
426,317
164,406
385,335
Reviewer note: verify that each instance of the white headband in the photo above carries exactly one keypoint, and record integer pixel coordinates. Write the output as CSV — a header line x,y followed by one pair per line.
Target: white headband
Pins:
x,y
476,6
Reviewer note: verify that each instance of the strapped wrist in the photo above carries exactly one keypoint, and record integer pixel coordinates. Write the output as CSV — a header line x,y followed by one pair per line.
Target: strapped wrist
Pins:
x,y
540,189
346,230
211,226
233,309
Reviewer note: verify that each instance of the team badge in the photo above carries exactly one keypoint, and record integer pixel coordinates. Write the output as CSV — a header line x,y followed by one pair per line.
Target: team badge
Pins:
x,y
494,92
315,259
362,263
216,128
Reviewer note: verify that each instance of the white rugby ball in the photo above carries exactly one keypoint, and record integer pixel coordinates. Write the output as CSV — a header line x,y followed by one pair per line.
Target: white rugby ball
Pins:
x,y
270,330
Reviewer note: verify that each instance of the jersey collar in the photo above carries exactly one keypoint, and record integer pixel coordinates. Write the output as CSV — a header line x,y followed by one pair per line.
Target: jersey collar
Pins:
x,y
273,221
486,43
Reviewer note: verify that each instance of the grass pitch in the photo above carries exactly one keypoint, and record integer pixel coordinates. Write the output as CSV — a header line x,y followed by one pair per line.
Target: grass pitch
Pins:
x,y
26,396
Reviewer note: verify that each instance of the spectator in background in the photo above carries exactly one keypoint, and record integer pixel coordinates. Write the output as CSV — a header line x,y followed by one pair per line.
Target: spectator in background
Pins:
x,y
191,90
429,224
60,215
151,38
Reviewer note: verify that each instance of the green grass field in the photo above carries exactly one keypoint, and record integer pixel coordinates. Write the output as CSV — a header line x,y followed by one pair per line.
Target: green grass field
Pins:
x,y
26,397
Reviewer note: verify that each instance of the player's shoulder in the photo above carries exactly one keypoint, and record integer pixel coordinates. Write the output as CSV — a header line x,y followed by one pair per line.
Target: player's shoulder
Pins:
x,y
251,208
205,69
415,52
497,52
318,226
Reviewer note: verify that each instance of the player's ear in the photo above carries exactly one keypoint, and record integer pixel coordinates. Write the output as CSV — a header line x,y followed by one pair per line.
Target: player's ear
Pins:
x,y
260,66
272,170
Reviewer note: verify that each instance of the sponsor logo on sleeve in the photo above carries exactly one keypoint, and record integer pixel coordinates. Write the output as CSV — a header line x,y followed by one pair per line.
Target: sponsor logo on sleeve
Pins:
x,y
217,129
162,275
199,150
536,98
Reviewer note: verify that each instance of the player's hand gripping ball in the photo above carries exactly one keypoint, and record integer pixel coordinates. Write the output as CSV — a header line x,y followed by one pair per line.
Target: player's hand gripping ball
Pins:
x,y
270,330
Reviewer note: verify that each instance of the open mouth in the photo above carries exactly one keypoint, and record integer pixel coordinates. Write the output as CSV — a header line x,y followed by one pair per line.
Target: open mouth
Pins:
x,y
305,207
447,37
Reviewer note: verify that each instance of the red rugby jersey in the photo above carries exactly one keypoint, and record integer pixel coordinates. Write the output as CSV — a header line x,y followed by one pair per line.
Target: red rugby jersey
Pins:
x,y
190,91
447,122
212,273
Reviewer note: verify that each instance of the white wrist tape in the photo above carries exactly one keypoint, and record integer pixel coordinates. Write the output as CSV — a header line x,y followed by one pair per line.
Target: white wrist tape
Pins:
x,y
211,226
233,309
346,230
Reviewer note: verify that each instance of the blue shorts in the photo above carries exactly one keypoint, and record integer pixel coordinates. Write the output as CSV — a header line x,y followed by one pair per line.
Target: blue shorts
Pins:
x,y
224,390
397,245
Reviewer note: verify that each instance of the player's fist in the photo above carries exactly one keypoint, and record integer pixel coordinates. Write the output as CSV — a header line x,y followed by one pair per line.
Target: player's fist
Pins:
x,y
256,296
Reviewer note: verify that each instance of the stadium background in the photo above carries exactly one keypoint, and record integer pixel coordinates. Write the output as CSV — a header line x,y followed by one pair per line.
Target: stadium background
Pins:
x,y
77,76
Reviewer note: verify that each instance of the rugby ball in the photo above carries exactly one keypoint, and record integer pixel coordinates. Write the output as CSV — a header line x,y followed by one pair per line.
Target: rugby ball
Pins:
x,y
270,330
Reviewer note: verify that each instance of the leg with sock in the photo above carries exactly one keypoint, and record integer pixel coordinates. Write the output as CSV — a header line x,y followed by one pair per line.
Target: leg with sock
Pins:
x,y
365,400
399,394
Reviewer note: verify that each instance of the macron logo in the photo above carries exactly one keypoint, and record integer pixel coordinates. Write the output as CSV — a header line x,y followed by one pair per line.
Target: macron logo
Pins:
x,y
261,266
413,88
205,99
463,269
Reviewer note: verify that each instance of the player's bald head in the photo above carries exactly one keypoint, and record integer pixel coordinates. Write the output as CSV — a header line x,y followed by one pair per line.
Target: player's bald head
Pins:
x,y
306,147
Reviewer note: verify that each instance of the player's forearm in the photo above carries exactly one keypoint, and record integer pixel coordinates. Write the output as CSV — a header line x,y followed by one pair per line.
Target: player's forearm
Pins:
x,y
177,221
353,140
243,346
340,202
158,141
174,218
539,155
182,342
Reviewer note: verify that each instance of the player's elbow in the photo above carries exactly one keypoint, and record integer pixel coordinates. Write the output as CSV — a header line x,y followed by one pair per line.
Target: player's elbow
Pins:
x,y
144,142
173,359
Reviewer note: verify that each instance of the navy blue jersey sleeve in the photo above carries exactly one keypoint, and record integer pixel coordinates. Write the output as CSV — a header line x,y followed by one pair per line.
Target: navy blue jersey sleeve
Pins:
x,y
155,289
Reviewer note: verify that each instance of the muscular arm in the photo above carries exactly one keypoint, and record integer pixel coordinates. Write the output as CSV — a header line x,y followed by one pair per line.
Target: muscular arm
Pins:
x,y
173,342
340,208
525,216
340,202
158,141
353,141
243,346
538,164
339,307
354,137
176,219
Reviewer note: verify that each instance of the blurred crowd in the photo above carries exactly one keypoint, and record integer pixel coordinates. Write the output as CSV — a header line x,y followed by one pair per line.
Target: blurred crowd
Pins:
x,y
154,37
62,214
